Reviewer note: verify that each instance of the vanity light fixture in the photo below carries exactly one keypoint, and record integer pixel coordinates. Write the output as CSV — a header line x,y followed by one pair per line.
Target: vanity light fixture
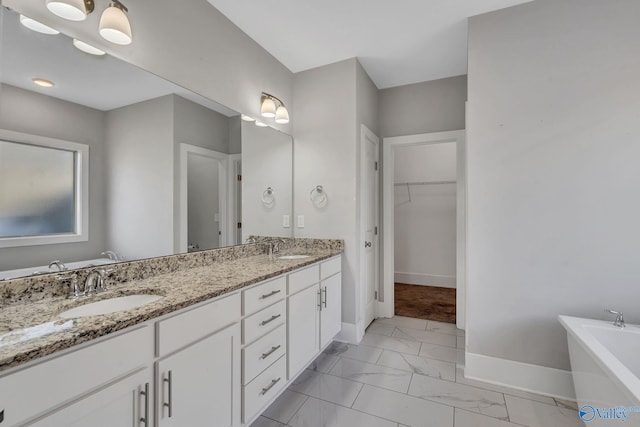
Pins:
x,y
42,82
114,24
73,10
87,48
37,26
246,118
272,106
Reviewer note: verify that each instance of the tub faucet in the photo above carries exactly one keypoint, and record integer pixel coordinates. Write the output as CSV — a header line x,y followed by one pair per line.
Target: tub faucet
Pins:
x,y
619,322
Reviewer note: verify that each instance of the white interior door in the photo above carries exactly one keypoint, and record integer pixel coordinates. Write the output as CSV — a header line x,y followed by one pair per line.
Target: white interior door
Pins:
x,y
369,225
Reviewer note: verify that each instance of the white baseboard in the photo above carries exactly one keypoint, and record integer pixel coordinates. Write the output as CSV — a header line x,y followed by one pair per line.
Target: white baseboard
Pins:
x,y
521,376
425,279
348,334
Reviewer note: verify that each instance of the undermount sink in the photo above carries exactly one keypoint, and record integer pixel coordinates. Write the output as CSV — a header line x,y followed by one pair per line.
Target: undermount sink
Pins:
x,y
294,256
110,305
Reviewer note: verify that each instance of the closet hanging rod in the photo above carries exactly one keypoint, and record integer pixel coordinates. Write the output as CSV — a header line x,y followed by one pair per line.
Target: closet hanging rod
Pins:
x,y
402,184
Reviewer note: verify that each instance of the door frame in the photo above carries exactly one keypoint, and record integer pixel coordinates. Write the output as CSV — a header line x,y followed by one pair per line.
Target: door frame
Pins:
x,y
367,135
181,240
386,306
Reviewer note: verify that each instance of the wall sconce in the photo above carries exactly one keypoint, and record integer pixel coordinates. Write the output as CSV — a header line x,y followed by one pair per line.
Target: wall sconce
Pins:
x,y
273,107
114,23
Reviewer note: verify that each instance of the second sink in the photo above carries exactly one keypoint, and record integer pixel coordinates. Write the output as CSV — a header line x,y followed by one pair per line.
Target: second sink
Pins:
x,y
109,306
294,256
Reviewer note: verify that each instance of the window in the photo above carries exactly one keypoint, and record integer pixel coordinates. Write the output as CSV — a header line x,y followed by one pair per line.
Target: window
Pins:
x,y
43,189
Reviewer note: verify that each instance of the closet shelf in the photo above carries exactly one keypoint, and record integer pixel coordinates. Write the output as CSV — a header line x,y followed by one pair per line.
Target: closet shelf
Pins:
x,y
404,184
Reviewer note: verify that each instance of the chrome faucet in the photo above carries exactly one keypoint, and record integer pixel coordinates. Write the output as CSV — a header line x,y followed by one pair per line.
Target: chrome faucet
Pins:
x,y
58,264
111,255
619,322
72,277
274,245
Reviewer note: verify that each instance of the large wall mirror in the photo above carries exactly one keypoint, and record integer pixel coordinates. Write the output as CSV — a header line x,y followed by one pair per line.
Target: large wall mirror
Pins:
x,y
113,163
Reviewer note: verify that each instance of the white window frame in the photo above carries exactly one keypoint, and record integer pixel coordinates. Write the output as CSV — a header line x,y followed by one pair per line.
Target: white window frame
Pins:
x,y
81,151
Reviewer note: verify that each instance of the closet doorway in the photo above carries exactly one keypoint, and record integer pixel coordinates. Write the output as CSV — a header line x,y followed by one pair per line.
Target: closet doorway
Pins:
x,y
424,193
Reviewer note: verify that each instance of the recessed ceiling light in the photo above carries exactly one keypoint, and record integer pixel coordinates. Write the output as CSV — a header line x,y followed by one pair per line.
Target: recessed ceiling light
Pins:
x,y
262,125
246,118
42,82
87,48
38,26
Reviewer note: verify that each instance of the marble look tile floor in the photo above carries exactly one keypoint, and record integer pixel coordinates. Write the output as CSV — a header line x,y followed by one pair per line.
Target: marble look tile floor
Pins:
x,y
404,374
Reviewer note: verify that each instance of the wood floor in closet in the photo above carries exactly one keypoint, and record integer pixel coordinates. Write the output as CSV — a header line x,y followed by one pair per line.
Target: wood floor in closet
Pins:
x,y
425,302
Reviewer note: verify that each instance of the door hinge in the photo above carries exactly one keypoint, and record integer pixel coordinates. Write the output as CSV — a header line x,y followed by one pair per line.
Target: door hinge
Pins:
x,y
239,225
375,295
239,177
375,230
376,165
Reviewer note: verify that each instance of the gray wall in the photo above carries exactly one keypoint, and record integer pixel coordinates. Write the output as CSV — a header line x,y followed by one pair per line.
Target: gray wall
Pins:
x,y
35,114
433,106
200,126
194,46
325,154
554,107
139,157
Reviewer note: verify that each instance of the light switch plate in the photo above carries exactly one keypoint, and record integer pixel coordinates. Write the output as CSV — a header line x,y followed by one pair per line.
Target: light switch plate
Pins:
x,y
300,221
285,221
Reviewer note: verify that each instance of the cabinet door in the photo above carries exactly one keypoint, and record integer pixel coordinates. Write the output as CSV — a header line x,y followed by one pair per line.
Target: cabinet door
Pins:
x,y
331,311
303,328
200,385
121,404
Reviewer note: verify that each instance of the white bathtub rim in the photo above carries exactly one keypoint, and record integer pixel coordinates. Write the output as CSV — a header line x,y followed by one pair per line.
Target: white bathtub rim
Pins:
x,y
606,360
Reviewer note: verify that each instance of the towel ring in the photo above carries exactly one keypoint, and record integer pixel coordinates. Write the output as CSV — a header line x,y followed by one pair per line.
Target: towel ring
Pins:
x,y
318,196
268,197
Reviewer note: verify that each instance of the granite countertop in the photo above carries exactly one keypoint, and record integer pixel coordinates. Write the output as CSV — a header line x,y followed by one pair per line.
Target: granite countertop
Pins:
x,y
32,329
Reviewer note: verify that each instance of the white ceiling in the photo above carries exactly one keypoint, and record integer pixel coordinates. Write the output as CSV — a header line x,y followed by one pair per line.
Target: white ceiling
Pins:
x,y
398,42
102,83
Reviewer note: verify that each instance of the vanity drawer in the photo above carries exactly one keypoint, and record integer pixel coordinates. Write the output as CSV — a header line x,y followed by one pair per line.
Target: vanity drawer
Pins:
x,y
186,328
331,267
261,390
257,298
303,279
262,353
45,386
264,321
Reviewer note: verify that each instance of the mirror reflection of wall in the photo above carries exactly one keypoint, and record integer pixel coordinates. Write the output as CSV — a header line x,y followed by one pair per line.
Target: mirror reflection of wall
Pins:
x,y
267,155
135,127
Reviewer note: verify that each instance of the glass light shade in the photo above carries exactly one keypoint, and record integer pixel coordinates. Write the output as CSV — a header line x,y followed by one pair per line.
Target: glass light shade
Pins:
x,y
87,48
73,10
38,26
246,118
115,26
268,108
262,125
282,115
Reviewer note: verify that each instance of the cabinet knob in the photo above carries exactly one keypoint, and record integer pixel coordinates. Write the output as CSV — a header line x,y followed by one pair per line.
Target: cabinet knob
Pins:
x,y
367,244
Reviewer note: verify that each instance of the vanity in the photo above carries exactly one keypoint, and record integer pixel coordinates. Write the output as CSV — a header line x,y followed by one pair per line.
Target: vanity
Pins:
x,y
221,344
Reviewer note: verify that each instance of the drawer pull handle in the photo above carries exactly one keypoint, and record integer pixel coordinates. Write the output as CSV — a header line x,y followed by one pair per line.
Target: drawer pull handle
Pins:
x,y
265,296
325,296
270,352
145,393
264,322
270,386
320,300
169,403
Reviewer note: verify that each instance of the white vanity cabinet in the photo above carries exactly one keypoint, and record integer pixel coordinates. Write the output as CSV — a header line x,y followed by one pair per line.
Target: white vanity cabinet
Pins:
x,y
315,311
100,384
200,382
126,403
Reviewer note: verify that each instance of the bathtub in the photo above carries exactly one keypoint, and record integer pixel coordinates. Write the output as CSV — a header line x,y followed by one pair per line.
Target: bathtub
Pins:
x,y
605,363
